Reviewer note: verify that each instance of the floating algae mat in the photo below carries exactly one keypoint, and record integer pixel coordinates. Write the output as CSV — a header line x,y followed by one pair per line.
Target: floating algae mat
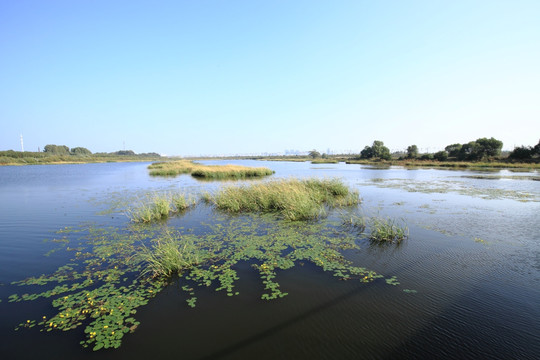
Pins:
x,y
114,271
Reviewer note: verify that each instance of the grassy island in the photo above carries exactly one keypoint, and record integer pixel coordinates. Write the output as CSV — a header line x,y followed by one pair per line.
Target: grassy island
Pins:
x,y
214,172
293,199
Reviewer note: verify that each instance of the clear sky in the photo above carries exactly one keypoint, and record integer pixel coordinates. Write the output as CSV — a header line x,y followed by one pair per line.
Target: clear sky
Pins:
x,y
225,77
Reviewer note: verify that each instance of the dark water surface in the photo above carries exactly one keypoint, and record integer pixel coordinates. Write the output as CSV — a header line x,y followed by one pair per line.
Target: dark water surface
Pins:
x,y
473,258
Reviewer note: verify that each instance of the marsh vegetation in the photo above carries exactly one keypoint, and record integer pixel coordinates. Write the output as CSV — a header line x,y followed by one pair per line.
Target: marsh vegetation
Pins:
x,y
387,230
235,261
114,271
211,172
154,207
61,154
293,199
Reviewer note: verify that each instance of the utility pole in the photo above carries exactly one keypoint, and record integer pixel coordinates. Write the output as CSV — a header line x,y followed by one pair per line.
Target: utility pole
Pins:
x,y
22,145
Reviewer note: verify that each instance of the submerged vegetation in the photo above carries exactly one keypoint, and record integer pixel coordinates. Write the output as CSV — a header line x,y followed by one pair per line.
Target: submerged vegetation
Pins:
x,y
292,198
215,172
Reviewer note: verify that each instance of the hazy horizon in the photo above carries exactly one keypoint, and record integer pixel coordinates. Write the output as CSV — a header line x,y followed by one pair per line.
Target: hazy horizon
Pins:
x,y
243,77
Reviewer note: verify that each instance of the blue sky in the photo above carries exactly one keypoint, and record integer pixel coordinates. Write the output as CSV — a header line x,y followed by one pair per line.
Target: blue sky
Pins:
x,y
227,77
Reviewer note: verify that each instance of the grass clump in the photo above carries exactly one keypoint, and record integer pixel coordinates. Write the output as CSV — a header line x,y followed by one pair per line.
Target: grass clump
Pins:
x,y
170,255
158,207
213,172
354,221
171,168
324,161
292,198
387,230
230,172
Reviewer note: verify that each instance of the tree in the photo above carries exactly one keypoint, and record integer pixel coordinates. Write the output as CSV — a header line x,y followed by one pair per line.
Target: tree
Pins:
x,y
488,147
468,151
314,154
125,152
367,153
377,150
522,153
440,156
536,148
453,150
80,151
56,149
380,151
412,152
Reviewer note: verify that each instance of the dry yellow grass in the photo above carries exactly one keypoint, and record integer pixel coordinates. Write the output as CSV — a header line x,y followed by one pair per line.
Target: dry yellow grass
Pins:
x,y
174,168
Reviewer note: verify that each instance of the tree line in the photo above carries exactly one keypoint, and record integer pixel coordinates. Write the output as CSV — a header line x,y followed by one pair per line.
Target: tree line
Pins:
x,y
477,150
63,150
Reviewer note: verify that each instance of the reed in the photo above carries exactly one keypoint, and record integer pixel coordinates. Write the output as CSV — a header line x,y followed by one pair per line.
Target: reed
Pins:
x,y
158,207
213,172
230,172
169,256
387,230
292,198
324,161
171,168
354,221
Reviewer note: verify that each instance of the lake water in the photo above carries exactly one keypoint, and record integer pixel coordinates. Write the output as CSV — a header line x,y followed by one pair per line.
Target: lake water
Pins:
x,y
472,260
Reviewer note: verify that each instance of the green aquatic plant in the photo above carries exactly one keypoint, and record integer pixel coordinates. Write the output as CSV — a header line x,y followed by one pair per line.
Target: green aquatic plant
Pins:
x,y
114,271
292,198
182,202
158,206
169,255
354,221
95,289
387,230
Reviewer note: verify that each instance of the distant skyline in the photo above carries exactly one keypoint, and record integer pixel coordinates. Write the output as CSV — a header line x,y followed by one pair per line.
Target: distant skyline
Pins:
x,y
240,77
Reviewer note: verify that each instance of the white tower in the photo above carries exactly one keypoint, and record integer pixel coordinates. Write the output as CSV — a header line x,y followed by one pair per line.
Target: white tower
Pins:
x,y
22,145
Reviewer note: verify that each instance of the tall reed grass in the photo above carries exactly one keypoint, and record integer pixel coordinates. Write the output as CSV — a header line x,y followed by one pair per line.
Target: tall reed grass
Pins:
x,y
159,206
292,198
324,161
214,172
387,230
169,255
354,222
